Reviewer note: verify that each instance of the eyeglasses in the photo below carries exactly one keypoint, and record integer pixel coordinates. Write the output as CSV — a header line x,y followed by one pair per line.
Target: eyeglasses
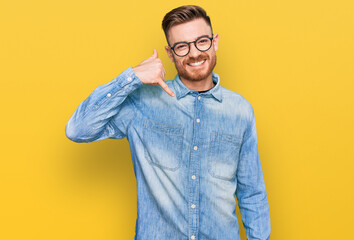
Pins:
x,y
202,43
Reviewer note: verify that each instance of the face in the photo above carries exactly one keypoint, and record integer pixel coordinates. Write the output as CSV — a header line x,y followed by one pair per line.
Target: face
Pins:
x,y
196,65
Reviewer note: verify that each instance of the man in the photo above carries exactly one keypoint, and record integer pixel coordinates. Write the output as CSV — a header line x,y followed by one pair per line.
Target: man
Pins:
x,y
193,142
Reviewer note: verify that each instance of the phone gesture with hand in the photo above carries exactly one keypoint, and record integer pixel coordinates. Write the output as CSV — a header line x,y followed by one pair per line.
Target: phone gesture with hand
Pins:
x,y
152,72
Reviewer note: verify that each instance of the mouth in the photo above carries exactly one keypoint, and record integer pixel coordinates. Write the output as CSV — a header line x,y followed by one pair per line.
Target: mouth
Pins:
x,y
196,64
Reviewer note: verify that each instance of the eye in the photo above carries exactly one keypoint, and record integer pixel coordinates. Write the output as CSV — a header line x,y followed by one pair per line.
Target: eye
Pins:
x,y
203,41
180,46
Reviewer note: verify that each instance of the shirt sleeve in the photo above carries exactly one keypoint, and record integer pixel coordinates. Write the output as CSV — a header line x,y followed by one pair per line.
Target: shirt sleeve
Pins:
x,y
107,112
250,192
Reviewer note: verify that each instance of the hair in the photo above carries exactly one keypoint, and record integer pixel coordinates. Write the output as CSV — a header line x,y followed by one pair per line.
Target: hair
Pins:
x,y
183,14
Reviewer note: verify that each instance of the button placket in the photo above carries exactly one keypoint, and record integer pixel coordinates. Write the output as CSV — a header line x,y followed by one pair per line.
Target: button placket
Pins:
x,y
194,170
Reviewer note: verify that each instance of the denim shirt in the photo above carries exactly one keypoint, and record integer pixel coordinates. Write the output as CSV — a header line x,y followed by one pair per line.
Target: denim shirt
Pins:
x,y
192,154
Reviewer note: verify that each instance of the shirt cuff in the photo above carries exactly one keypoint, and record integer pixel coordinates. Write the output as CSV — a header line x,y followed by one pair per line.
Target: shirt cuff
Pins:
x,y
128,78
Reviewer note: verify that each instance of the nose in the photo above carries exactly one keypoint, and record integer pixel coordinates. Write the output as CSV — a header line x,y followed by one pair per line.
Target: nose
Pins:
x,y
193,51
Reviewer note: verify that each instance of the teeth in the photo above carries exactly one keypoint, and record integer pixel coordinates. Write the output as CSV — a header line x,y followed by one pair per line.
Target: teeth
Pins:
x,y
196,64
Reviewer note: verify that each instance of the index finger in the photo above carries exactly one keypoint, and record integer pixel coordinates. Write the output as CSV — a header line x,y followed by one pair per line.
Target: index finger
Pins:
x,y
166,88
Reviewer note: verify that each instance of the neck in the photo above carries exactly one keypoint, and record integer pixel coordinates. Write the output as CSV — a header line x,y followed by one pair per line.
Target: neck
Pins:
x,y
200,85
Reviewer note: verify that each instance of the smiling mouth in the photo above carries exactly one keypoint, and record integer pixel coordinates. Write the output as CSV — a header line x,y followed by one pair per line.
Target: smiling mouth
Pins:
x,y
196,63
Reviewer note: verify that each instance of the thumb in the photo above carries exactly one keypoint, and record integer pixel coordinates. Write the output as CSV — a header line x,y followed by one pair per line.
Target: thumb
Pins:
x,y
154,55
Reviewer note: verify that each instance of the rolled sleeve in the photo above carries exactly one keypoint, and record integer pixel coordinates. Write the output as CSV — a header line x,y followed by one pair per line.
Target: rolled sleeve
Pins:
x,y
91,121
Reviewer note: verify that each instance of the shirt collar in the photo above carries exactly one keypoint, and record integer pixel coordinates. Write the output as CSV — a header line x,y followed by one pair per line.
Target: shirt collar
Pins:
x,y
181,90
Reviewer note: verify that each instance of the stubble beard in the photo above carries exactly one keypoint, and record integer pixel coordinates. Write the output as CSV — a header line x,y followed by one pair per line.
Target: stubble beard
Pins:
x,y
196,75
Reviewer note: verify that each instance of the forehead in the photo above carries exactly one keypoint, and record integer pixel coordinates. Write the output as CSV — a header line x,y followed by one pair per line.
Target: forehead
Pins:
x,y
189,31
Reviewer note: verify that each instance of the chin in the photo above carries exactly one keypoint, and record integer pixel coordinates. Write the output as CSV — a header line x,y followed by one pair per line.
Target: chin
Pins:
x,y
198,76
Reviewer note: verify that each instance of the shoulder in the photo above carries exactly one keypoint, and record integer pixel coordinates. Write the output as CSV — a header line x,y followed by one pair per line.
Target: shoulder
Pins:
x,y
237,100
151,95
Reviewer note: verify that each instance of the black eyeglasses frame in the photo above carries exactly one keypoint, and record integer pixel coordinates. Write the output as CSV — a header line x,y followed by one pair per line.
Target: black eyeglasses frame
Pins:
x,y
195,44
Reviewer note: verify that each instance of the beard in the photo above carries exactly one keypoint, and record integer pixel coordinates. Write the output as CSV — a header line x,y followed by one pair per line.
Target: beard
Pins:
x,y
197,74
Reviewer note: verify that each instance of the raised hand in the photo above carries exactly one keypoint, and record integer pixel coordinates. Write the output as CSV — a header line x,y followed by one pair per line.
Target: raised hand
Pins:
x,y
152,72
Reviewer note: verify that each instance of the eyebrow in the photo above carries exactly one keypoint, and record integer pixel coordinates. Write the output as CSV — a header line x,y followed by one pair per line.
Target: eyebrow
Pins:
x,y
206,35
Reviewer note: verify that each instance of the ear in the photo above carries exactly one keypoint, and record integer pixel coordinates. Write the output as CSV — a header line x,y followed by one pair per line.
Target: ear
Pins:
x,y
169,53
216,42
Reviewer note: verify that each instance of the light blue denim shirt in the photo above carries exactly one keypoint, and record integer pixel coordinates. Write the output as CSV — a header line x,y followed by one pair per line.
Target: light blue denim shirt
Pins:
x,y
191,153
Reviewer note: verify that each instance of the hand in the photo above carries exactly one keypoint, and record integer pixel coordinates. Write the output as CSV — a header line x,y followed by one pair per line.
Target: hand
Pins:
x,y
152,72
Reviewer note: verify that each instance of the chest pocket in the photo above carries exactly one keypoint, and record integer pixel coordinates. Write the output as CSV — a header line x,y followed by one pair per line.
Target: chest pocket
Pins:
x,y
163,144
223,155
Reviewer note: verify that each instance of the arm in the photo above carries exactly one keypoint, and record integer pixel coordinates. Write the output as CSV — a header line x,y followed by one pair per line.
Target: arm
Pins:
x,y
250,192
107,112
93,119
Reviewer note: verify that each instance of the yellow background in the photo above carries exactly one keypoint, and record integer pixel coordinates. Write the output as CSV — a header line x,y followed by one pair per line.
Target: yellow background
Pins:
x,y
293,60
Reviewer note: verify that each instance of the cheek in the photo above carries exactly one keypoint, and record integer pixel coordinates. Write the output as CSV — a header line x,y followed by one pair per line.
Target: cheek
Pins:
x,y
180,62
212,55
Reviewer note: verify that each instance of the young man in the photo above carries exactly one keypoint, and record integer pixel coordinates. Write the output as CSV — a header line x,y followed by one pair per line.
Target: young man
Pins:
x,y
193,142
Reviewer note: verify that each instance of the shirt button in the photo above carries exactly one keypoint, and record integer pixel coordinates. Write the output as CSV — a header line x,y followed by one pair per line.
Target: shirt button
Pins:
x,y
192,237
193,177
193,206
198,120
129,79
109,95
199,97
195,148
